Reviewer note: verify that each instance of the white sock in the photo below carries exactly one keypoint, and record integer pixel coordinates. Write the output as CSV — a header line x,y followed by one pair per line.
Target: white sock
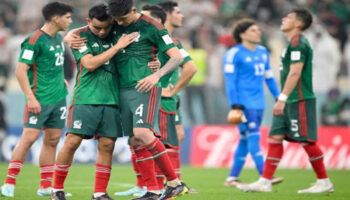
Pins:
x,y
98,194
56,190
174,183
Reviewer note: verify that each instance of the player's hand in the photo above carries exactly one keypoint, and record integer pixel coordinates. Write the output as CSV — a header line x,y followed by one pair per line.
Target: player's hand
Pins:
x,y
125,40
33,105
167,92
278,108
235,116
146,84
74,41
154,65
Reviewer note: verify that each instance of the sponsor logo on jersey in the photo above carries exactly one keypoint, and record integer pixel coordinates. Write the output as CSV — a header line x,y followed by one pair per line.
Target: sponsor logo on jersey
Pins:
x,y
77,124
83,49
248,59
52,48
95,45
33,120
28,54
140,121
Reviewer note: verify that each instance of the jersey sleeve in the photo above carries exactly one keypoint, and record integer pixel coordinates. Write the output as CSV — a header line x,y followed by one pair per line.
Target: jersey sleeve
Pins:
x,y
84,50
298,53
161,39
186,56
28,52
230,62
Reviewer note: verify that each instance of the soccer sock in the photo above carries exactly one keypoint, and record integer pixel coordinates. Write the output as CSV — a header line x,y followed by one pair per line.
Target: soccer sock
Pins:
x,y
254,150
274,155
161,158
13,170
160,178
46,174
239,157
316,159
145,164
139,181
174,156
61,172
102,174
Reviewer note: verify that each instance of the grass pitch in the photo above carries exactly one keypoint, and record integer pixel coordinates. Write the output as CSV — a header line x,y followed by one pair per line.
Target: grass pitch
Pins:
x,y
209,183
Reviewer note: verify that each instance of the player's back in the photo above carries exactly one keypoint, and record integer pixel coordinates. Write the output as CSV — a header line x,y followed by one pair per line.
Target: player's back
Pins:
x,y
248,68
132,61
45,55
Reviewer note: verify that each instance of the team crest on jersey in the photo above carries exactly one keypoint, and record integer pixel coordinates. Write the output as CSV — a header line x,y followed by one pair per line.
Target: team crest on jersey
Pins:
x,y
52,48
248,59
137,39
33,120
77,124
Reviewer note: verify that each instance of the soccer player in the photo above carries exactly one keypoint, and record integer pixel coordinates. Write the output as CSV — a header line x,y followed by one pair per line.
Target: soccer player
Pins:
x,y
94,110
40,75
295,111
246,67
140,91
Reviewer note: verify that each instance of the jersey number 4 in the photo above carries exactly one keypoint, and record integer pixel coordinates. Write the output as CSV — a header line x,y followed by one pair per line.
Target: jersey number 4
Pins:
x,y
59,59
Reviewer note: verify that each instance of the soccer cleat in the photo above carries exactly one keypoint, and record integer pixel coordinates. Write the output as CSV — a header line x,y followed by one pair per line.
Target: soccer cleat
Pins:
x,y
321,186
8,190
177,191
44,191
59,195
140,193
232,183
148,196
129,192
103,197
276,180
190,190
262,185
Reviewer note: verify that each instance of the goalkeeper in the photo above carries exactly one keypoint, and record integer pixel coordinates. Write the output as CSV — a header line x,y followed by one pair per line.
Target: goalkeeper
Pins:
x,y
246,67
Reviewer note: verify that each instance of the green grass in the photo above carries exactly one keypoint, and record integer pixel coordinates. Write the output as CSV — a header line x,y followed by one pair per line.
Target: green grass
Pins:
x,y
209,183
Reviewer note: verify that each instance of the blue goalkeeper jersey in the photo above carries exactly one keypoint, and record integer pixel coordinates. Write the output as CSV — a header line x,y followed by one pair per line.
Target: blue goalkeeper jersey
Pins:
x,y
245,71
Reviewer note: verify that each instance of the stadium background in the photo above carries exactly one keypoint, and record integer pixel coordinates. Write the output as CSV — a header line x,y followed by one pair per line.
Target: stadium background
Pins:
x,y
206,35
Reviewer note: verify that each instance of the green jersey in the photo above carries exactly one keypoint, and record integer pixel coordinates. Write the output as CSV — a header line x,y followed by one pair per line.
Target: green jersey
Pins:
x,y
44,55
133,61
169,104
100,86
298,50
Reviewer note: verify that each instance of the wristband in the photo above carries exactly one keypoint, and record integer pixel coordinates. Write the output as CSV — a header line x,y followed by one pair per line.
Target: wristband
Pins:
x,y
282,97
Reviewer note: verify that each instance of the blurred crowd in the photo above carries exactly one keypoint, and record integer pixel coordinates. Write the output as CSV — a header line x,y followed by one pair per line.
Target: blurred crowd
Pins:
x,y
206,35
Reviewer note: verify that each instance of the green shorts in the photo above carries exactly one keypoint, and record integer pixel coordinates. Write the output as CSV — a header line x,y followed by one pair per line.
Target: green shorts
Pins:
x,y
139,110
298,122
51,116
94,121
167,127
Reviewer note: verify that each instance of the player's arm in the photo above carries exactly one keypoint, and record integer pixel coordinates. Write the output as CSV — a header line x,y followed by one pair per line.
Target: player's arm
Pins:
x,y
73,40
188,71
91,62
291,81
270,78
23,80
174,61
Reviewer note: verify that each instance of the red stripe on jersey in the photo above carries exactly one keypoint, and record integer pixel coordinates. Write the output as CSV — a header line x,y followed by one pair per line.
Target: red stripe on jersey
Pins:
x,y
35,36
303,119
71,107
153,52
295,40
35,78
158,25
26,113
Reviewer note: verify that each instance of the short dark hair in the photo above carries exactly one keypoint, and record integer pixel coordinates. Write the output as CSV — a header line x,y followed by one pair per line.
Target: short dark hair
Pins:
x,y
240,27
119,7
55,9
99,12
303,15
156,12
168,6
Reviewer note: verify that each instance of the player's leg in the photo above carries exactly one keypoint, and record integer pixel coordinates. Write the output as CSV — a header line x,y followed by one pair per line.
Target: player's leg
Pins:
x,y
145,110
19,154
307,128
